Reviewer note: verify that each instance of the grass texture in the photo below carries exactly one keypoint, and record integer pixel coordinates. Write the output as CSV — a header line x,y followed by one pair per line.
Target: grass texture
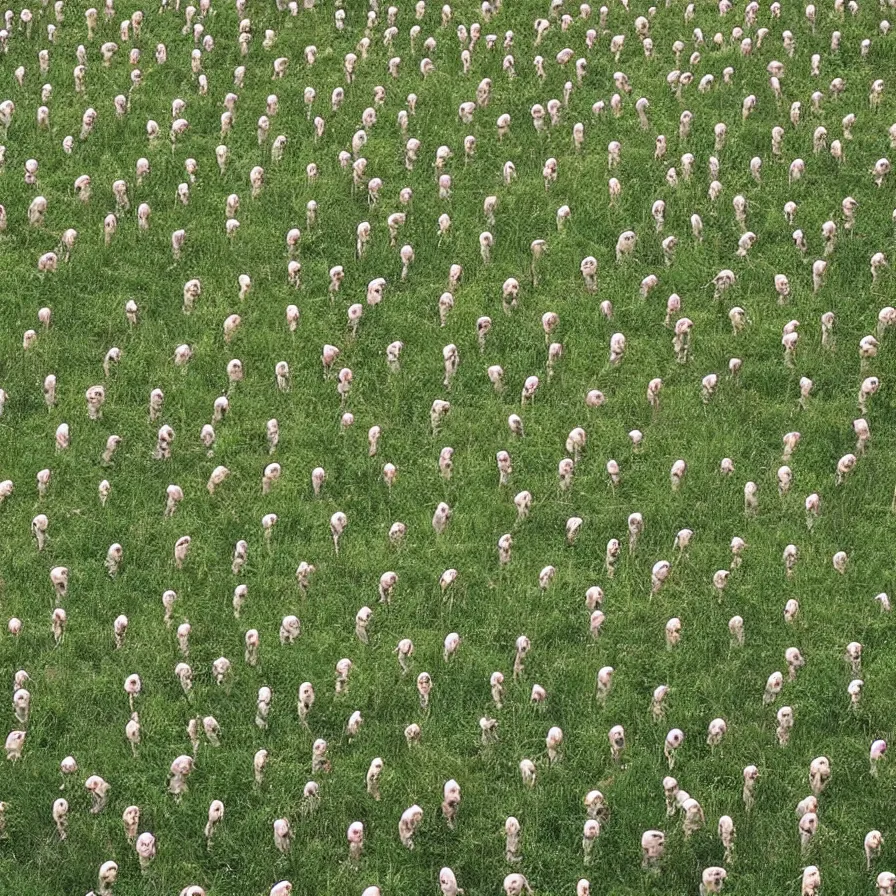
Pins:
x,y
78,703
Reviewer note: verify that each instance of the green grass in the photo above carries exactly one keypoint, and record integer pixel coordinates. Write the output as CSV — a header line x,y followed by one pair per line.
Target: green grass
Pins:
x,y
78,703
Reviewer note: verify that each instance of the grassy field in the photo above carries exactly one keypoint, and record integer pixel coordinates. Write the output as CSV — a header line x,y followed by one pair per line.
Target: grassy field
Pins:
x,y
79,706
